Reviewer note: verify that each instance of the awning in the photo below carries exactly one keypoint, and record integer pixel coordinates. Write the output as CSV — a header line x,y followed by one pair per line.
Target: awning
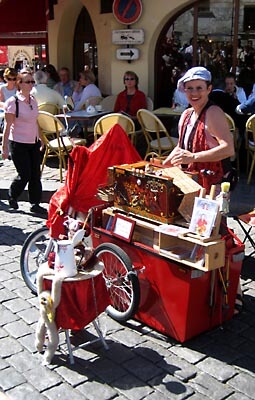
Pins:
x,y
23,22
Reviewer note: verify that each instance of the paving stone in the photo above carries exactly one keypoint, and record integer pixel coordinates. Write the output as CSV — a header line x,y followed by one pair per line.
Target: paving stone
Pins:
x,y
12,266
171,387
218,369
30,315
142,368
28,342
75,374
42,378
190,355
24,361
156,395
64,392
24,293
10,378
155,354
16,305
6,295
9,346
98,389
222,352
244,383
5,275
128,338
119,353
18,329
239,396
178,367
107,370
13,283
25,392
3,333
3,364
210,387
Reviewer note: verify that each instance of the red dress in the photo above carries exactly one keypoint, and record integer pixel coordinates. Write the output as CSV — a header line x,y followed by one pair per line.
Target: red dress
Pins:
x,y
132,104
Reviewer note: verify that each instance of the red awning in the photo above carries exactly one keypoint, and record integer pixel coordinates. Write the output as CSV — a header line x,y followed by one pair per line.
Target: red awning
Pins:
x,y
23,22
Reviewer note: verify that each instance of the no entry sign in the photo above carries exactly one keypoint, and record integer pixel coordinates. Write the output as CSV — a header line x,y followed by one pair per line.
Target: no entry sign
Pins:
x,y
127,11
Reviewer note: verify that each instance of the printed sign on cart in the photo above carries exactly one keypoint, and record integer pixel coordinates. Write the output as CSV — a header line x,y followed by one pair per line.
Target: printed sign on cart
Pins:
x,y
128,36
127,54
127,11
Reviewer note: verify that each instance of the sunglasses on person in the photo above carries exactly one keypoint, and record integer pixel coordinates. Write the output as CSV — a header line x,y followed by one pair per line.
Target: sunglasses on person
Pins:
x,y
28,82
129,79
11,79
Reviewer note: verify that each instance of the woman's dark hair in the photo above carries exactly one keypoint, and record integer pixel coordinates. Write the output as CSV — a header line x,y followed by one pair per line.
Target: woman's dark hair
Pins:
x,y
51,70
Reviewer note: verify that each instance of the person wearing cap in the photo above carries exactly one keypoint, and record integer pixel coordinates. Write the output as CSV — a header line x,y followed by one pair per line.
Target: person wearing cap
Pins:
x,y
205,143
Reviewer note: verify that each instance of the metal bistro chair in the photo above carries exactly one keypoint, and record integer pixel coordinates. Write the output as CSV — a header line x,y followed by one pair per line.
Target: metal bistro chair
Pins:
x,y
250,145
52,126
233,129
49,107
106,122
157,138
108,102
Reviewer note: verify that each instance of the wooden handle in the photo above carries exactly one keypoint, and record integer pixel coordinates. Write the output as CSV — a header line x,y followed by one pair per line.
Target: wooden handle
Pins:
x,y
202,192
212,192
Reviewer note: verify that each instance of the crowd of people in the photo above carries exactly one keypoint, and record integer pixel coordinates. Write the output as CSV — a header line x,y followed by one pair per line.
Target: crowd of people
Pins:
x,y
204,139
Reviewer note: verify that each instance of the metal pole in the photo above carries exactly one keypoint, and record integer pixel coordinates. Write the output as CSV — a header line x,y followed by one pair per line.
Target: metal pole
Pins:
x,y
235,39
195,28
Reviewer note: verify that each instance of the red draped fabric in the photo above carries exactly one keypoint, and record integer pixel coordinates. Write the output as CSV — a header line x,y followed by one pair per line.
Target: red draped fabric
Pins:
x,y
80,303
89,170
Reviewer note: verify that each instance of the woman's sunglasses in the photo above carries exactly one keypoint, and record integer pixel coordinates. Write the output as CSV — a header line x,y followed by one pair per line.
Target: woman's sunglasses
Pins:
x,y
11,79
28,82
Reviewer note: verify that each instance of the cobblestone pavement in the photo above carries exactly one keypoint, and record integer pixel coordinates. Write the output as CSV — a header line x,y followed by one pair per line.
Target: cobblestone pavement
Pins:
x,y
140,363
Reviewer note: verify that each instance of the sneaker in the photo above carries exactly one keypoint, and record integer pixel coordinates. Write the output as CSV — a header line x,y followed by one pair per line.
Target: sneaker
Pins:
x,y
35,208
13,203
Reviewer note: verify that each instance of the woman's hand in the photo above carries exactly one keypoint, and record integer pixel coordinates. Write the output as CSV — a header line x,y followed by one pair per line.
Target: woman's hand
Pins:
x,y
182,156
5,153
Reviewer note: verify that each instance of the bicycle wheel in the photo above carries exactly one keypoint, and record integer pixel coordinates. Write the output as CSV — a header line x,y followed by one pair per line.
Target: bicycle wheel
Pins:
x,y
121,281
35,251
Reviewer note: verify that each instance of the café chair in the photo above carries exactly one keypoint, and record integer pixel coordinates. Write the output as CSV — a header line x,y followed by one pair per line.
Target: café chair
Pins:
x,y
150,105
50,126
250,145
108,102
157,138
237,143
69,102
106,122
49,107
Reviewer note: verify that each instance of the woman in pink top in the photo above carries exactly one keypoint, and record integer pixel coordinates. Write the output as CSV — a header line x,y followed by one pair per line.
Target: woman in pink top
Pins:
x,y
21,135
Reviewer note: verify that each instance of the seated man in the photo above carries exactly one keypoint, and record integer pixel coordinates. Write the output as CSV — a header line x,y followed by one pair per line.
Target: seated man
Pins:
x,y
247,107
232,89
43,93
66,85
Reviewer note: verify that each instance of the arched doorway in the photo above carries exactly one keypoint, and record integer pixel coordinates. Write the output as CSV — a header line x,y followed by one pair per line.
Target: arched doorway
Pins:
x,y
213,32
84,47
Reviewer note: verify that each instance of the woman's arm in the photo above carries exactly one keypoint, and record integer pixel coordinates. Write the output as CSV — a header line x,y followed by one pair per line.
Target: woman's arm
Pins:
x,y
217,125
9,120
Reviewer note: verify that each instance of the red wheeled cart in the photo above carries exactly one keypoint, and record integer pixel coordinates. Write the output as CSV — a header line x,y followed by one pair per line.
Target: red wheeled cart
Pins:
x,y
176,299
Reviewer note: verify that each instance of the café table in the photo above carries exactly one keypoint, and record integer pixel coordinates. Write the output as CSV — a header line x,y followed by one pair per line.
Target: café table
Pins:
x,y
170,118
83,116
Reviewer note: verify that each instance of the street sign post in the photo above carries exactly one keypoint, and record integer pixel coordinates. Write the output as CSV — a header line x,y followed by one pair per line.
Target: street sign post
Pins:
x,y
128,36
127,54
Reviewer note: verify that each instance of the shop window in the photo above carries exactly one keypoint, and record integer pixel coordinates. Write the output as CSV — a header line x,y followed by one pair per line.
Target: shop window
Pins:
x,y
106,6
249,19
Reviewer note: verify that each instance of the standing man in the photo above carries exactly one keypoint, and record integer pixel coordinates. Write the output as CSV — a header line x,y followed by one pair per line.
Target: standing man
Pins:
x,y
66,86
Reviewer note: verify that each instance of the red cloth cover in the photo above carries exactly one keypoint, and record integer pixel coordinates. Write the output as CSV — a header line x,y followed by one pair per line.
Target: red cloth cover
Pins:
x,y
88,171
77,306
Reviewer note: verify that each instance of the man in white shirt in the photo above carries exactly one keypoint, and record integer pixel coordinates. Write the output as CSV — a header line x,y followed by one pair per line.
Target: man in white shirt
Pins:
x,y
234,90
43,93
